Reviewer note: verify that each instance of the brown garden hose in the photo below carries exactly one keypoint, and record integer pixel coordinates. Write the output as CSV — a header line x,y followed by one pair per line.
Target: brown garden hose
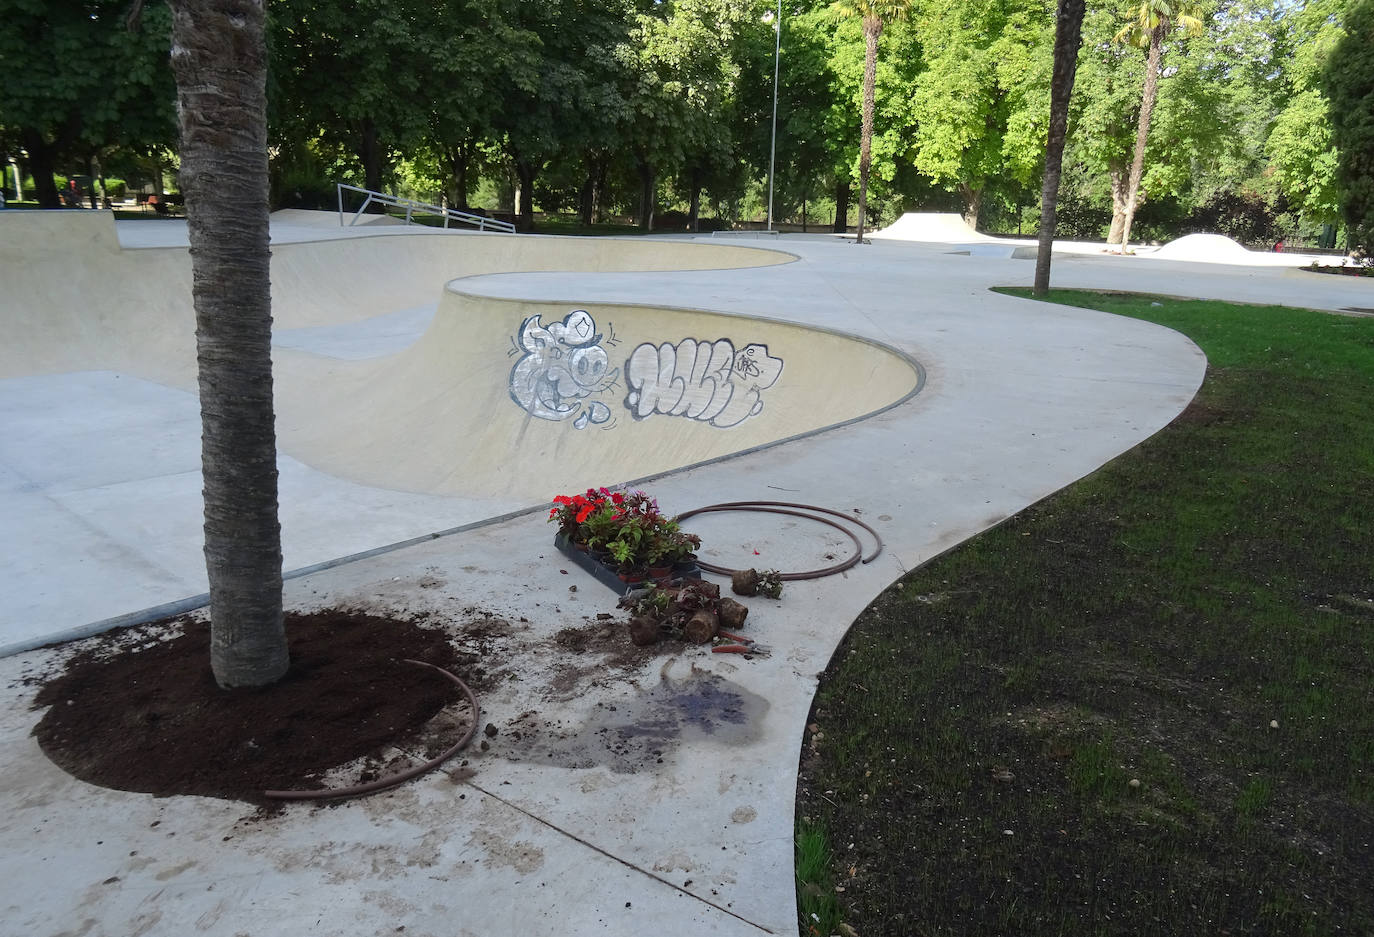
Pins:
x,y
382,784
795,510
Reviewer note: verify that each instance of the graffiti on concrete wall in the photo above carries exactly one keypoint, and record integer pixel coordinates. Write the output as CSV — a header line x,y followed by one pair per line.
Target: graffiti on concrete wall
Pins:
x,y
563,364
706,381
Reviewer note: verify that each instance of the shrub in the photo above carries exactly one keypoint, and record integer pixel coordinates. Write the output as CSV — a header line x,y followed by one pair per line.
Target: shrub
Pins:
x,y
1349,84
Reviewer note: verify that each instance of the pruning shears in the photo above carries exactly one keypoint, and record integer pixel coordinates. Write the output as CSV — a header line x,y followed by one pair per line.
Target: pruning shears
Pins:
x,y
741,645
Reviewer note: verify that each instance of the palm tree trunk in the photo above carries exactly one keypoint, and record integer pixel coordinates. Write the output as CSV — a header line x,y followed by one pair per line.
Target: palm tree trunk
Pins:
x,y
873,28
1147,106
219,57
1067,36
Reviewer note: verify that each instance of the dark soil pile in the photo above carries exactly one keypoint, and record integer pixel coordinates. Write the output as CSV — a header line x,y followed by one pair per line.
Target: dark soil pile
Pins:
x,y
154,720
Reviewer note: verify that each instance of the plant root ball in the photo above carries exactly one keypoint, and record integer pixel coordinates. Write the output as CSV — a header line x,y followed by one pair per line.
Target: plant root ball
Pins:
x,y
732,614
644,630
701,627
745,581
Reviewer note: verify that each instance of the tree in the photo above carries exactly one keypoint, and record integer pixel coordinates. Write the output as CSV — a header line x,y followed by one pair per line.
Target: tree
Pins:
x,y
76,79
1215,104
1067,36
807,152
981,102
1153,21
462,106
1349,82
682,70
219,57
1299,150
874,14
819,128
389,53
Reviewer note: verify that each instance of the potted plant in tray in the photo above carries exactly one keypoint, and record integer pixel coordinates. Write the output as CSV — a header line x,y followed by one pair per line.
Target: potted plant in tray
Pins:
x,y
657,544
628,548
621,533
682,548
603,526
569,512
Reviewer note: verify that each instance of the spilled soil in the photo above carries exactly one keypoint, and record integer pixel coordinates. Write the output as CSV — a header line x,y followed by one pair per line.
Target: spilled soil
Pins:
x,y
146,715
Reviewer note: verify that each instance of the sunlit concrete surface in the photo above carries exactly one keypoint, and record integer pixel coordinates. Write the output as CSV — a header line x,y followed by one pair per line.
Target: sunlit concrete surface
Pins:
x,y
1002,402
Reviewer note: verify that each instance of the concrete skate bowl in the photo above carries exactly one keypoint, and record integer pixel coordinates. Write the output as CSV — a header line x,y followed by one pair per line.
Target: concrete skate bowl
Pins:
x,y
498,397
74,299
509,398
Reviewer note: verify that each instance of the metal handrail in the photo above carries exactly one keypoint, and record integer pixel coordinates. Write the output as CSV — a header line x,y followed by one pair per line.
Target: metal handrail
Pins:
x,y
412,206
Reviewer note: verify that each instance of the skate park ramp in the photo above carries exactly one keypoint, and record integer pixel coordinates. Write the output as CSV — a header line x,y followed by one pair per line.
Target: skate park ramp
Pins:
x,y
1220,249
405,403
931,226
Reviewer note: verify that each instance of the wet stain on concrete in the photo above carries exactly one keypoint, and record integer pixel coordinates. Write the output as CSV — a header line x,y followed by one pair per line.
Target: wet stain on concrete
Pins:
x,y
744,815
631,735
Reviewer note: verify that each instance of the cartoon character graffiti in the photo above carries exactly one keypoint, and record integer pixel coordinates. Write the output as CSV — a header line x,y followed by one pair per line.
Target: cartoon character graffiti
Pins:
x,y
705,381
563,364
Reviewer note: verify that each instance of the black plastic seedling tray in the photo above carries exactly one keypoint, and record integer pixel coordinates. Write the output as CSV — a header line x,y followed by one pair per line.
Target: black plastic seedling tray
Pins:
x,y
608,576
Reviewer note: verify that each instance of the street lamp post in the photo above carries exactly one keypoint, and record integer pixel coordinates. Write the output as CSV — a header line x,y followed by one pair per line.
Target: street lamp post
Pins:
x,y
773,147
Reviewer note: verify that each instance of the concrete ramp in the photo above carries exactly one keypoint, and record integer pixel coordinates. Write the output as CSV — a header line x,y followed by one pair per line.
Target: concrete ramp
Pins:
x,y
935,227
1220,249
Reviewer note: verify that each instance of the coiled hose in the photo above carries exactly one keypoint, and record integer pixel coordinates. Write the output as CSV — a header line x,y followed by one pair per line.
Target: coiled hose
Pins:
x,y
808,511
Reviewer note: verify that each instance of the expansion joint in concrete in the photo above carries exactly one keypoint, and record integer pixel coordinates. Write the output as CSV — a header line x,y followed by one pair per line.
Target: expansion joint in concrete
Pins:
x,y
614,858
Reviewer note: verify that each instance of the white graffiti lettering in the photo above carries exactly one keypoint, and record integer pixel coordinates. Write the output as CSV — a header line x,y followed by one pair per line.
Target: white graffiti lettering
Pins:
x,y
705,381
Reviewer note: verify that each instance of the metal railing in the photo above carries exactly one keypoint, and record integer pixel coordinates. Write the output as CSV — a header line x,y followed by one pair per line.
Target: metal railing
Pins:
x,y
411,207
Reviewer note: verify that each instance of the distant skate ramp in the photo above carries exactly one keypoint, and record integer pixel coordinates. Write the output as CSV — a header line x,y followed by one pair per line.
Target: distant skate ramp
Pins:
x,y
935,227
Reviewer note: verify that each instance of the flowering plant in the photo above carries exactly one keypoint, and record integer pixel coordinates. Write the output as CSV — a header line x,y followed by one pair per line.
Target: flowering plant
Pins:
x,y
573,512
682,546
628,524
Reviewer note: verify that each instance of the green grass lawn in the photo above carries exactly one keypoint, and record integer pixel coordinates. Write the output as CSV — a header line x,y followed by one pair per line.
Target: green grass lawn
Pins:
x,y
1145,705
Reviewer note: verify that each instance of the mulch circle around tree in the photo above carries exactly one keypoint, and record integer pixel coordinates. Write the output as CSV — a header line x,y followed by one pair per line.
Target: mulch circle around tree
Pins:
x,y
152,719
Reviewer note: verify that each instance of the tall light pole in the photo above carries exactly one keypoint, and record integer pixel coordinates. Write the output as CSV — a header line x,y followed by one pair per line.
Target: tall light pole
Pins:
x,y
773,147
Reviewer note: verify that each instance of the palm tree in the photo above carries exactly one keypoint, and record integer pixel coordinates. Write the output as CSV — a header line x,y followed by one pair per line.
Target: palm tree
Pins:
x,y
874,15
1153,20
1068,35
219,57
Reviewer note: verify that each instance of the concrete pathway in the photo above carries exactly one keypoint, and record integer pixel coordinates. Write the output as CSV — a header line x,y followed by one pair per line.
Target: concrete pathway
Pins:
x,y
615,799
